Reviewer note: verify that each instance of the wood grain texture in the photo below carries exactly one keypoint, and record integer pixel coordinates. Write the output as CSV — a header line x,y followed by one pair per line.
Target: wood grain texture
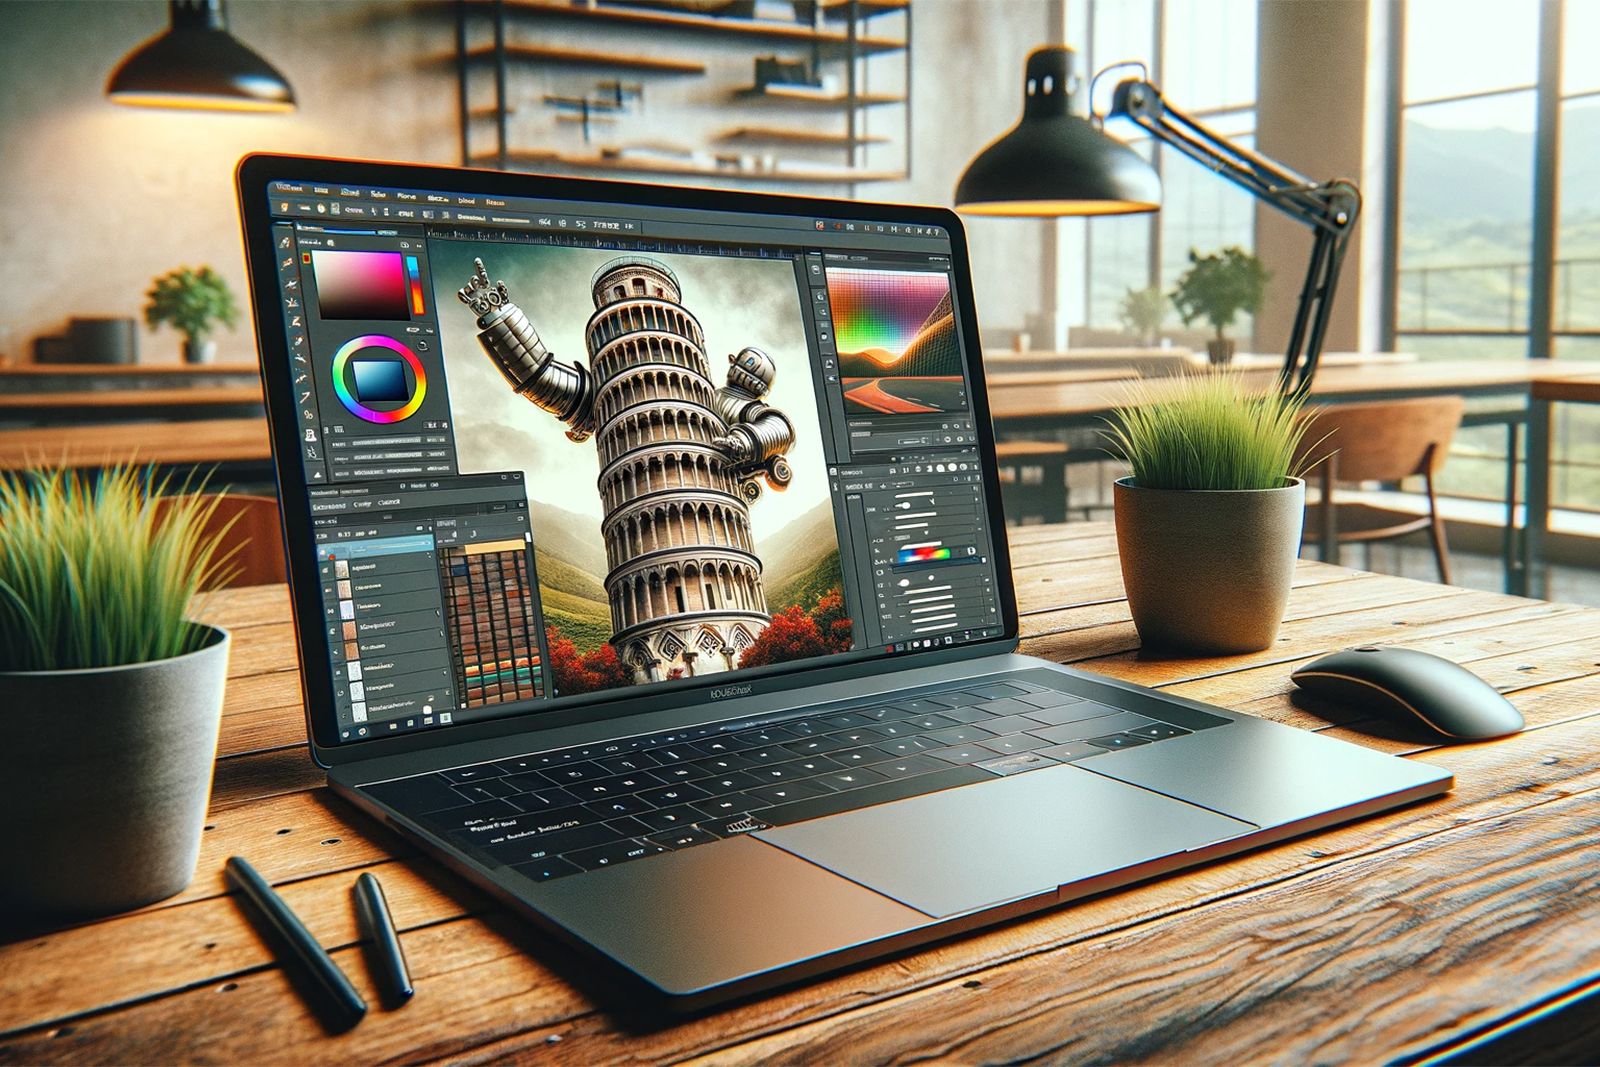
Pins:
x,y
1362,942
197,441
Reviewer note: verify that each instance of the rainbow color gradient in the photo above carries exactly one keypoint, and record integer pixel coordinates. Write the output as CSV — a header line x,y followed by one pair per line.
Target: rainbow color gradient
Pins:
x,y
341,384
882,310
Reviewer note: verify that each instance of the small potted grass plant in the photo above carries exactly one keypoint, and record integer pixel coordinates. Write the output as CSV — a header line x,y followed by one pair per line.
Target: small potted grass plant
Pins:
x,y
112,694
1209,517
193,302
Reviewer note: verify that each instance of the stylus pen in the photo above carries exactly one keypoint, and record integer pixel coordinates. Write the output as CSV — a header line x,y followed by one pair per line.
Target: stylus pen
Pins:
x,y
383,941
330,993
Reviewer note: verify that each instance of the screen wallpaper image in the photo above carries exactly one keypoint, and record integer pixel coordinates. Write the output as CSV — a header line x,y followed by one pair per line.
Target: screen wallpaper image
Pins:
x,y
678,495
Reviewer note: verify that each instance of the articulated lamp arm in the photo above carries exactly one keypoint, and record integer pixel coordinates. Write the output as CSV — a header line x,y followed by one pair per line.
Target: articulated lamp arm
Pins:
x,y
1330,208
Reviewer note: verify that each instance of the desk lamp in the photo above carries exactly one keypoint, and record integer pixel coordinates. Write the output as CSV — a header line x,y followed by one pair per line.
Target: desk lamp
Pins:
x,y
1054,162
197,63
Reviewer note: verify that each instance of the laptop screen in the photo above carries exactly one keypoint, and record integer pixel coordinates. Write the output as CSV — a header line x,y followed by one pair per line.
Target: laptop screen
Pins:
x,y
556,450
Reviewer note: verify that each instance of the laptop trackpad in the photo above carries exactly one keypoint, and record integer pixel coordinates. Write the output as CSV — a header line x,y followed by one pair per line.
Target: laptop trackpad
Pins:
x,y
1008,839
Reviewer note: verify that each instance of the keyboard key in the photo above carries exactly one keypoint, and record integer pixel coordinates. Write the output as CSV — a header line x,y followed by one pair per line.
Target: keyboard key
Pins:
x,y
904,746
488,789
1017,764
844,721
805,727
1114,741
812,765
674,754
959,735
679,772
414,796
725,807
592,859
618,786
618,806
896,729
784,792
862,757
769,754
969,713
1072,750
1048,699
555,843
854,778
1157,731
550,798
673,795
468,816
860,735
959,700
473,774
673,818
1014,743
770,735
721,765
1096,727
812,746
1010,724
997,690
570,773
780,772
1008,706
961,754
629,764
728,783
905,768
721,745
1074,712
629,826
881,793
521,765
546,869
682,839
921,706
882,715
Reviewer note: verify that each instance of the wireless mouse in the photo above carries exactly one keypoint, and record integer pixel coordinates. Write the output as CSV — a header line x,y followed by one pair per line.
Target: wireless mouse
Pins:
x,y
1411,686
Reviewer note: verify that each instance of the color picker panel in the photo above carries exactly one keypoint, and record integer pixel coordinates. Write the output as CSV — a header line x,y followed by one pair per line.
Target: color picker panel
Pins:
x,y
361,285
882,310
490,611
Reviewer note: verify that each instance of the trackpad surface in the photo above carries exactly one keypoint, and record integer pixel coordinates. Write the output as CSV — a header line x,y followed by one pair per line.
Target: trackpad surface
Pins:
x,y
1014,837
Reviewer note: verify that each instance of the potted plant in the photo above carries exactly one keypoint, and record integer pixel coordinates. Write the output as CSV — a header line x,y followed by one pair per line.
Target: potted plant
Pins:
x,y
112,694
1208,520
1216,288
192,302
1142,312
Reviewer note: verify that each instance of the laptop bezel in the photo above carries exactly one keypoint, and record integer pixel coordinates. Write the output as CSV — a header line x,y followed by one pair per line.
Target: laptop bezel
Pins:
x,y
253,175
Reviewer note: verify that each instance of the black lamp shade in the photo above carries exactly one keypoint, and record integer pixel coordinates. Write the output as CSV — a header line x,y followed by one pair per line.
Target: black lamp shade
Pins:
x,y
197,63
1054,162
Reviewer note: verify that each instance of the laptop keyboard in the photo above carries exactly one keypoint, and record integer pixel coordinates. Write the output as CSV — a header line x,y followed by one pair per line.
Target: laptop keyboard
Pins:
x,y
565,811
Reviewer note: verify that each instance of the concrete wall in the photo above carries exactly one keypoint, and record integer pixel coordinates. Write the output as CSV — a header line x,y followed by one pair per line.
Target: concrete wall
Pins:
x,y
99,198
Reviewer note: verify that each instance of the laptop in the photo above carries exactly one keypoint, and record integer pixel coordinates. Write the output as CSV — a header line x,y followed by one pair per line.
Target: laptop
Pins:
x,y
649,572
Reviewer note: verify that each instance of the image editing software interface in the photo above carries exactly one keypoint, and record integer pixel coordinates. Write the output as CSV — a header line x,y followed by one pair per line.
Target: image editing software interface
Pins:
x,y
554,448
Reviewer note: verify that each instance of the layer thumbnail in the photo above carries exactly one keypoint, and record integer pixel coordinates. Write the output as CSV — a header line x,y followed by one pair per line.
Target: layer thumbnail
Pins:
x,y
898,351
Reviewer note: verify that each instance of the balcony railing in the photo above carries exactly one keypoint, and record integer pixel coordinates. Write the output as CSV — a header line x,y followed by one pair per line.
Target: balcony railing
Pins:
x,y
1491,299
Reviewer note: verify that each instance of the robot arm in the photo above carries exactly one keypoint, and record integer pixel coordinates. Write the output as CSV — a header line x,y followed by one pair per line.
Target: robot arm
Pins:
x,y
563,389
758,434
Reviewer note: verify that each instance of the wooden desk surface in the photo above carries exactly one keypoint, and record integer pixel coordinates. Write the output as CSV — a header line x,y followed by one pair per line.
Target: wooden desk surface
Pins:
x,y
198,441
133,399
1361,943
1016,400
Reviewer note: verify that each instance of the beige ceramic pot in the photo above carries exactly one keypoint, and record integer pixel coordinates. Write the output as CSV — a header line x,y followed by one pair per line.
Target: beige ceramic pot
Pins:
x,y
1208,571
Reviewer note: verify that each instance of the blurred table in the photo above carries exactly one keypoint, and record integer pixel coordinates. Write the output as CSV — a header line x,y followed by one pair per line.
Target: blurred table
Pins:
x,y
237,442
1580,388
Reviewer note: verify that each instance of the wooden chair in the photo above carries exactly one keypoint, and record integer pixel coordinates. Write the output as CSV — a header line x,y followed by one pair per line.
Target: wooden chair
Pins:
x,y
1385,442
1033,480
259,560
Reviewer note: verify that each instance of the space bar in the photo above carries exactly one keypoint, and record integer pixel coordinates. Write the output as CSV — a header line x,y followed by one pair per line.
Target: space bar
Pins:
x,y
882,793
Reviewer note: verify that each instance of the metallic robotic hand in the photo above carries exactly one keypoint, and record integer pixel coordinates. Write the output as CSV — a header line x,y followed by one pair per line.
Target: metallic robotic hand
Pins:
x,y
758,435
566,390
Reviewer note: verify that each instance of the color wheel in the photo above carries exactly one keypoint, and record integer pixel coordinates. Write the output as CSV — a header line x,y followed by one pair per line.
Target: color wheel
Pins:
x,y
341,385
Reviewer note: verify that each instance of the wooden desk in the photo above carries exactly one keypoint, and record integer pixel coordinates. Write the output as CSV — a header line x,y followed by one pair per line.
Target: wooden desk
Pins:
x,y
163,443
1385,937
1547,392
96,405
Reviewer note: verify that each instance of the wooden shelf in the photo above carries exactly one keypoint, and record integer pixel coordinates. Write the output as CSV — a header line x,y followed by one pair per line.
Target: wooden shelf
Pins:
x,y
116,370
867,9
579,57
796,136
801,94
833,176
764,29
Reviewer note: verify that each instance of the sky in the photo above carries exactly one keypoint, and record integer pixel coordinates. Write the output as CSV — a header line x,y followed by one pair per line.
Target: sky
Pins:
x,y
738,302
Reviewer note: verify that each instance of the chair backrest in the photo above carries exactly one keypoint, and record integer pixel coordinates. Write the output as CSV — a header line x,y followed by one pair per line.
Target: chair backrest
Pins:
x,y
259,560
1386,440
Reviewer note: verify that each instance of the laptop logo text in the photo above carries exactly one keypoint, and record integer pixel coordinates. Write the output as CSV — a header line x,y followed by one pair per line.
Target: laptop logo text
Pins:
x,y
730,691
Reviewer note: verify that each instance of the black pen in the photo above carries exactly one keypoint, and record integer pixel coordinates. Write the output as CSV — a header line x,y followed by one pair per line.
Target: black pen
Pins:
x,y
324,985
383,941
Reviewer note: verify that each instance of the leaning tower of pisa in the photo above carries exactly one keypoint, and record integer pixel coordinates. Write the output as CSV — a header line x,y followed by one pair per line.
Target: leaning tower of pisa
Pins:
x,y
680,460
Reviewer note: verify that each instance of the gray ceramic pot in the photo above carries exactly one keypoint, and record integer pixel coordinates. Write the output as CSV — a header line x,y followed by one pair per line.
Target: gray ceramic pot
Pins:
x,y
1208,571
105,776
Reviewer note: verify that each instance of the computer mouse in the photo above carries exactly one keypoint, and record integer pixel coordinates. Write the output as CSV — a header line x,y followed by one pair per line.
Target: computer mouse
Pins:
x,y
1411,686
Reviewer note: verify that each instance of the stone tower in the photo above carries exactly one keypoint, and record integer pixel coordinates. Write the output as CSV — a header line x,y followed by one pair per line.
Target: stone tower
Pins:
x,y
679,461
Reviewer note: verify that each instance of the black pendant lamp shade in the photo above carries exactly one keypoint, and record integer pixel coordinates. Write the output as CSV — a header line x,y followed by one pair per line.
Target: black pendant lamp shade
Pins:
x,y
1054,162
197,63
